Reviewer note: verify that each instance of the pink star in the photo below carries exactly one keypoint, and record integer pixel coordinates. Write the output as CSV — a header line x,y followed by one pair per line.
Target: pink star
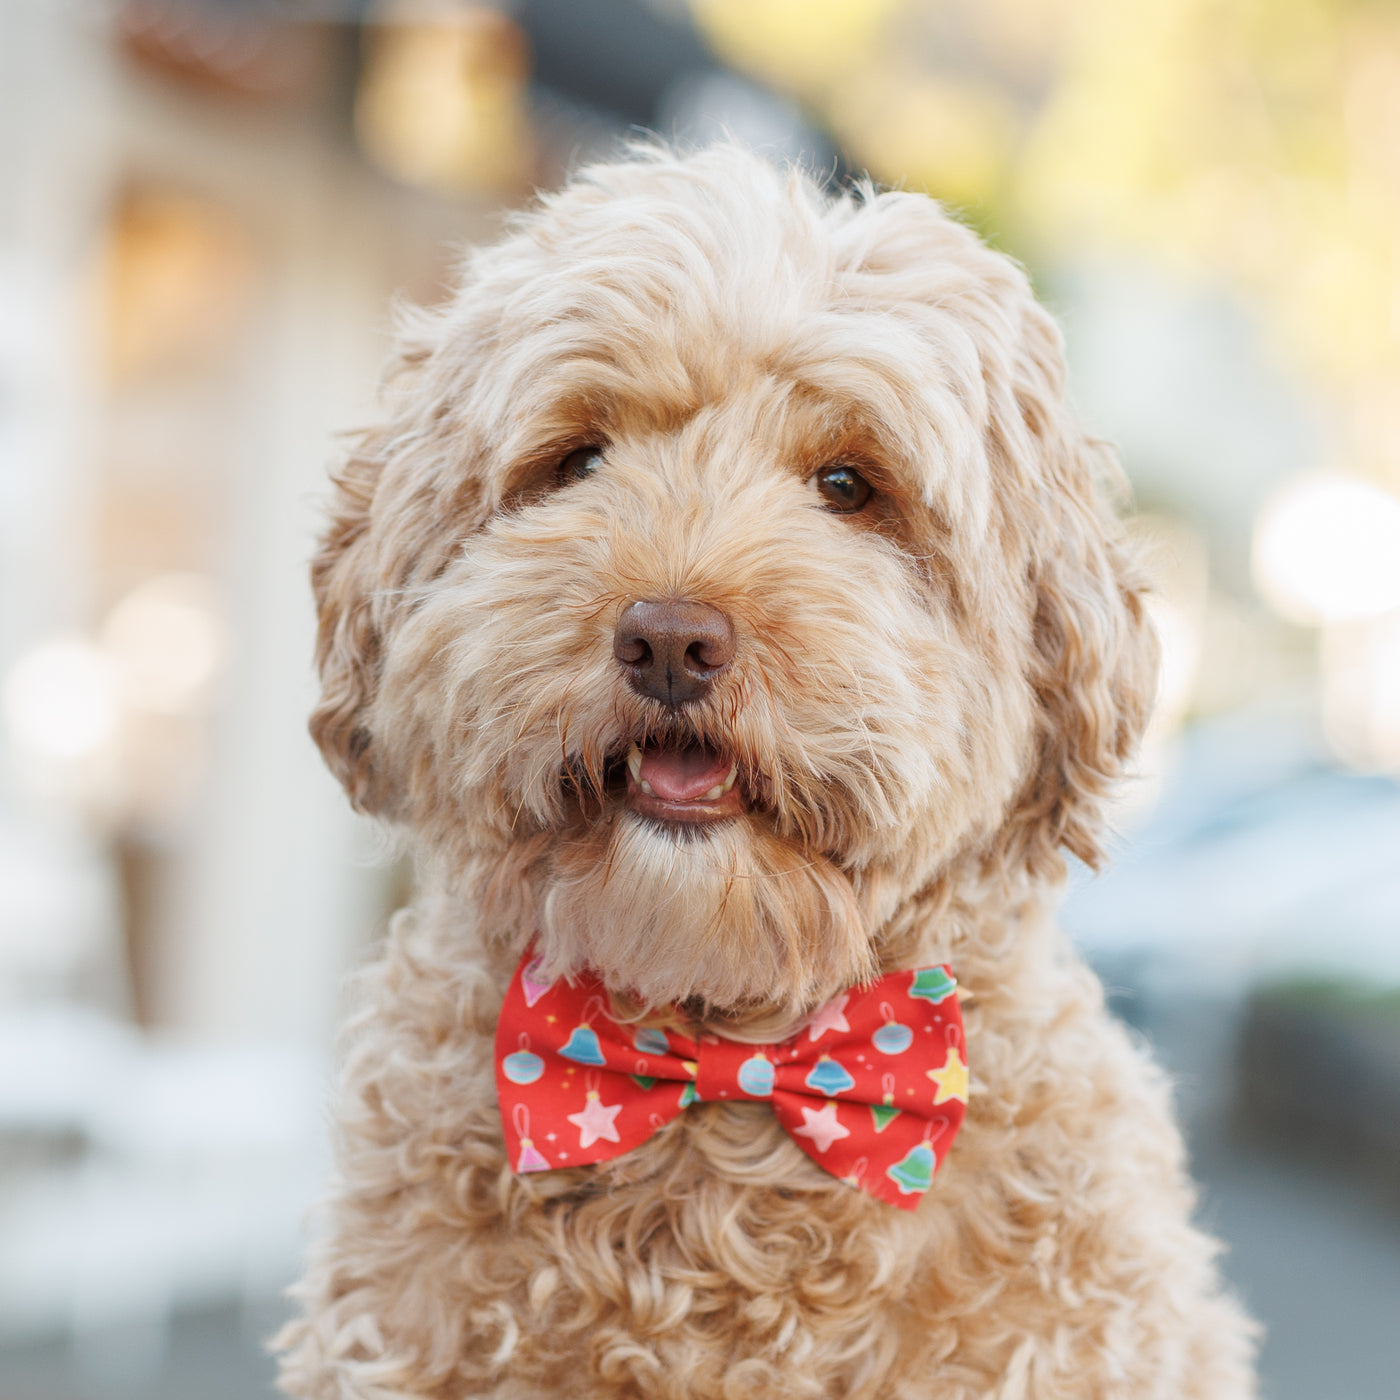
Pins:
x,y
821,1126
596,1121
831,1017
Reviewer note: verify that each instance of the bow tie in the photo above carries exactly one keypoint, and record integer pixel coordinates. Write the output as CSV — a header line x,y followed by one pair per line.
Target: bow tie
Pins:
x,y
872,1087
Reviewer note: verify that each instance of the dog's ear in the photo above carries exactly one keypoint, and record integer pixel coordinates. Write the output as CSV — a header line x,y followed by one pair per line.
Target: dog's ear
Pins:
x,y
1094,652
348,632
410,492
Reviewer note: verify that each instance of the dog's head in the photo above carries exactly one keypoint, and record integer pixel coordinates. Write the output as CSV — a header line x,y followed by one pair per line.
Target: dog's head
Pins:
x,y
729,565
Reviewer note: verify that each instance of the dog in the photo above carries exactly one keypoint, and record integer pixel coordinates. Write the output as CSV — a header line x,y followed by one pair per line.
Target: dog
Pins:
x,y
734,620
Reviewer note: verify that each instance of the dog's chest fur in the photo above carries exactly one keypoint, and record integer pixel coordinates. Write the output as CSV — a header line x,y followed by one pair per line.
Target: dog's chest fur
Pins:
x,y
717,1260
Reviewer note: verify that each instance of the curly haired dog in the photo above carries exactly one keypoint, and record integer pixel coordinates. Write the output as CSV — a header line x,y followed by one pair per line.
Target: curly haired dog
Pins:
x,y
819,447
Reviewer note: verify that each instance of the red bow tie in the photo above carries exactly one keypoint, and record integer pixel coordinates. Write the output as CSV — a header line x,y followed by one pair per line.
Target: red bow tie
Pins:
x,y
872,1087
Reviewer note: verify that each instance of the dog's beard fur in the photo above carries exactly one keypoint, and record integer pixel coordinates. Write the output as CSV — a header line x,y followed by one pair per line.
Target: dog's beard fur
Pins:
x,y
848,718
726,917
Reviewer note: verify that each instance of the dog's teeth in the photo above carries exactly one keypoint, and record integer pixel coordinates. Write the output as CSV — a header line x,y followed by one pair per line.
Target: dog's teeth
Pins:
x,y
646,788
719,789
634,763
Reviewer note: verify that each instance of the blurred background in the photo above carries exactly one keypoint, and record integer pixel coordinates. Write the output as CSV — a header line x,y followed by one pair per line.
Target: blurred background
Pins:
x,y
206,207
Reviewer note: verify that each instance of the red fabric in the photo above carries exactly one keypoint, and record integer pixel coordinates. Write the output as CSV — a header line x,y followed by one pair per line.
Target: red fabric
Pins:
x,y
873,1087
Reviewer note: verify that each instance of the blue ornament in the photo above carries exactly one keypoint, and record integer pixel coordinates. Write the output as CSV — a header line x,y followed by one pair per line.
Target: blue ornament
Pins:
x,y
756,1076
582,1046
914,1171
522,1067
651,1041
892,1038
828,1077
932,984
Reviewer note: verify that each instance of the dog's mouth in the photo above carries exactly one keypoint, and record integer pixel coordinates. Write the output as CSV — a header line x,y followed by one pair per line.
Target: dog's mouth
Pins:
x,y
688,783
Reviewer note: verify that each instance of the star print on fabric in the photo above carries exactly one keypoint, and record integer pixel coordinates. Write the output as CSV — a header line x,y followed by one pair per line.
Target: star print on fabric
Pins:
x,y
821,1126
951,1079
831,1017
596,1121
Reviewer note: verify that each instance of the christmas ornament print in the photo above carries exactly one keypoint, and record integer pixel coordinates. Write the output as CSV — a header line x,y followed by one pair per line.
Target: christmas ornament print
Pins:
x,y
951,1079
914,1171
582,1045
756,1076
933,984
871,1087
822,1127
892,1038
597,1120
853,1177
831,1017
530,980
829,1077
530,1160
522,1066
884,1113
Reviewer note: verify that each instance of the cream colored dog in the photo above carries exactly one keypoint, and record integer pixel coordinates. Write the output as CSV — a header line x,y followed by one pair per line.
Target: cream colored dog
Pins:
x,y
705,475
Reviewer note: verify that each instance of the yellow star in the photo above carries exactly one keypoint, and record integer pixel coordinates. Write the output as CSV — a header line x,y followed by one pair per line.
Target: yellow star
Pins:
x,y
951,1079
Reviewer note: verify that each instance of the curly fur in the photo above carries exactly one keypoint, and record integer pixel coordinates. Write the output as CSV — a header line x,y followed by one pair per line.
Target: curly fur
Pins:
x,y
928,702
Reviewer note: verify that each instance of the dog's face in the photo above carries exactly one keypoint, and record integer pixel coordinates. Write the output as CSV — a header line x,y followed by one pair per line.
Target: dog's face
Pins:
x,y
728,566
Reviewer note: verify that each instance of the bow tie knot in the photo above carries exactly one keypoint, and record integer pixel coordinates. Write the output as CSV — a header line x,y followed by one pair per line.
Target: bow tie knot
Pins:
x,y
873,1086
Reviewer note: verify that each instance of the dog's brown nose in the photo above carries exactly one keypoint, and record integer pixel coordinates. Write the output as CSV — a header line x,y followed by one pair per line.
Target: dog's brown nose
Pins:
x,y
675,650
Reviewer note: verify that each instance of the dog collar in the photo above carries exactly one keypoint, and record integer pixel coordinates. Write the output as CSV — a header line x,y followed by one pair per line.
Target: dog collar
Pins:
x,y
872,1087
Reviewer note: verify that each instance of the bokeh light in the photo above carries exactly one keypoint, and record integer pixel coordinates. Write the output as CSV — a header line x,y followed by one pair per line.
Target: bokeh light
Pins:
x,y
1361,692
441,100
1327,549
61,701
165,641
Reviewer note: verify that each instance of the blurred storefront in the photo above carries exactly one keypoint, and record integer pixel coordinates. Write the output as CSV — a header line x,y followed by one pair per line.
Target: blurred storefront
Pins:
x,y
207,208
197,268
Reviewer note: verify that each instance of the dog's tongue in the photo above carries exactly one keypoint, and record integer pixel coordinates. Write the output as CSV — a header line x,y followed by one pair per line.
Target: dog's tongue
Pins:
x,y
682,775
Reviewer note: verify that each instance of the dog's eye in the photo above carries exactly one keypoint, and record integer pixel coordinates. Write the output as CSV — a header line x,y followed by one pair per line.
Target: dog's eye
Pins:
x,y
843,489
581,463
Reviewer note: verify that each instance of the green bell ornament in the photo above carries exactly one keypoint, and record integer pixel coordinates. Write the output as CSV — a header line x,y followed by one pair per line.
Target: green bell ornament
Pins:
x,y
932,984
914,1171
